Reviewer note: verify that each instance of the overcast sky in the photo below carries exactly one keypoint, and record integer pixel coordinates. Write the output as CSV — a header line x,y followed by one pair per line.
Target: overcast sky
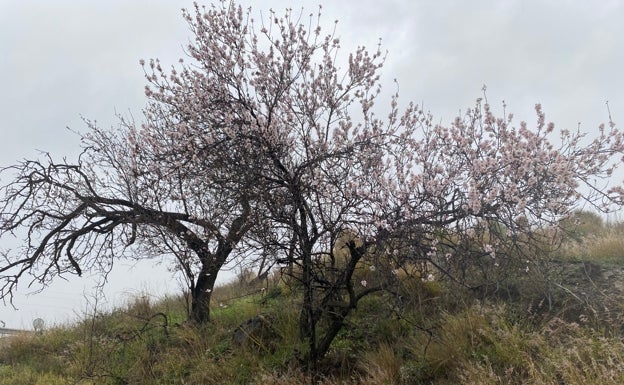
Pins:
x,y
62,59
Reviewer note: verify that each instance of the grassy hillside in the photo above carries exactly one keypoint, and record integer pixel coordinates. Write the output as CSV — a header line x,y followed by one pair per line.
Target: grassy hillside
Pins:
x,y
566,330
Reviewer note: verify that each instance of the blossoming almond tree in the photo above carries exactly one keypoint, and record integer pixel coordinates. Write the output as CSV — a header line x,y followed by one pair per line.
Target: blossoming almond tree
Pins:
x,y
270,139
312,141
327,165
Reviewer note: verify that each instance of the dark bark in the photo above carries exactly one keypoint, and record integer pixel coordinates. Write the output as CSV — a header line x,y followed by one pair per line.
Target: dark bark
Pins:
x,y
212,264
201,295
326,305
307,319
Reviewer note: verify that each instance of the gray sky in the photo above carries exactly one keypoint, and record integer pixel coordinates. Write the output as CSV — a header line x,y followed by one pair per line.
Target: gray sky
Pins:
x,y
63,59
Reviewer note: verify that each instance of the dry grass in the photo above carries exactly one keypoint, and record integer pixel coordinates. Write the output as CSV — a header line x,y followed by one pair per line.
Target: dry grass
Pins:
x,y
381,366
429,337
561,353
478,345
594,241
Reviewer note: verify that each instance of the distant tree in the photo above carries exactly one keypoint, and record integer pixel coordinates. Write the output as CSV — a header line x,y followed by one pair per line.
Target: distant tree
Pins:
x,y
264,142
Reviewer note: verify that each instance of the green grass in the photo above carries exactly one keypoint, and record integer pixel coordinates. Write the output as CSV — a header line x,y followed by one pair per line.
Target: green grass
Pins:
x,y
437,334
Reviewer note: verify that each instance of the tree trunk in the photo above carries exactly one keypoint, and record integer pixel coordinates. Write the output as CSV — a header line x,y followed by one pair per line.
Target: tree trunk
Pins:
x,y
335,326
200,300
212,264
307,324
